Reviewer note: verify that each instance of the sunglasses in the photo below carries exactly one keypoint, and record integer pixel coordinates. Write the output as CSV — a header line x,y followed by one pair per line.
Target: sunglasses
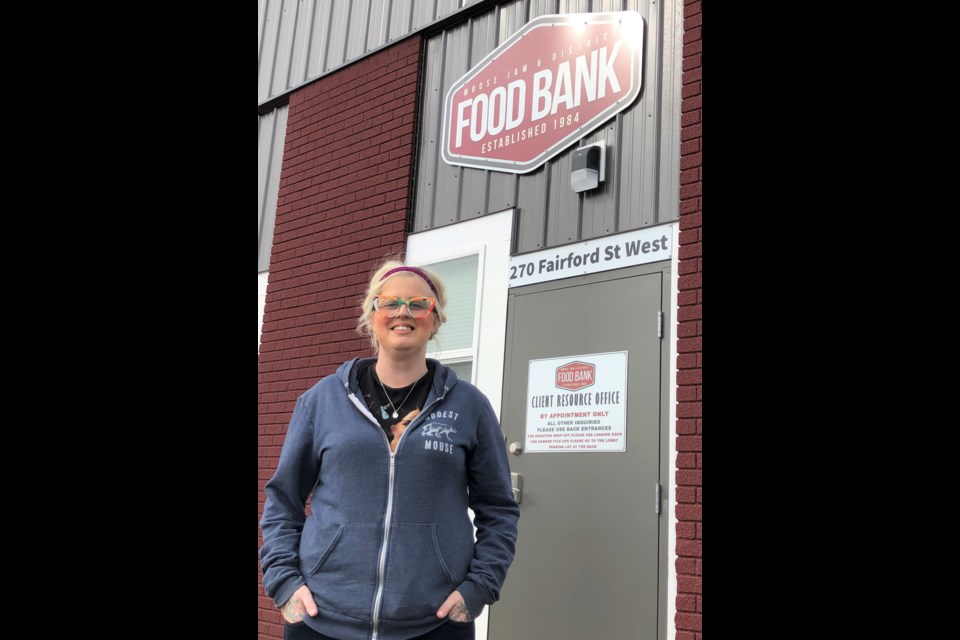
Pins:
x,y
416,307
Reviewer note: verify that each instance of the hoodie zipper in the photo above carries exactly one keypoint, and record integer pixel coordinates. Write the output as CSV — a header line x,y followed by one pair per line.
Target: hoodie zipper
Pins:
x,y
382,560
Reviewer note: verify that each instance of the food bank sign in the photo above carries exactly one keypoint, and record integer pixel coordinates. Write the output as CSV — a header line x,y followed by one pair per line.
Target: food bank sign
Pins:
x,y
543,89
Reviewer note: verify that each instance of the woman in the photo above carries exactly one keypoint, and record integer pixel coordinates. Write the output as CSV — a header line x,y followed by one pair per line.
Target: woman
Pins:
x,y
395,449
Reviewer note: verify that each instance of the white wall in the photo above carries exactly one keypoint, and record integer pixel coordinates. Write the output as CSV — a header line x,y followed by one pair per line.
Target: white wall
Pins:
x,y
261,302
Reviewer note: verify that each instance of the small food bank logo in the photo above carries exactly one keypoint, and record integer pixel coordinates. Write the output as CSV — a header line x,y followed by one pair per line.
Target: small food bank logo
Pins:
x,y
574,376
544,88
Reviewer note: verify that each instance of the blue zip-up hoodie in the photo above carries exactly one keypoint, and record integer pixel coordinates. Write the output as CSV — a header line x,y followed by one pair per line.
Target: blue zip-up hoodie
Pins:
x,y
389,537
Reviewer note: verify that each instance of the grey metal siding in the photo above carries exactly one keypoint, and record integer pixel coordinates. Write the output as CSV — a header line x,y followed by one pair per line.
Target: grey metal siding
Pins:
x,y
359,23
337,43
575,6
284,59
267,46
271,129
300,50
473,194
401,19
298,40
423,12
549,212
540,8
456,62
319,37
378,23
431,105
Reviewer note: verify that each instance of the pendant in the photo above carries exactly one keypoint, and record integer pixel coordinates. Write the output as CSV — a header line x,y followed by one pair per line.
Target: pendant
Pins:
x,y
396,415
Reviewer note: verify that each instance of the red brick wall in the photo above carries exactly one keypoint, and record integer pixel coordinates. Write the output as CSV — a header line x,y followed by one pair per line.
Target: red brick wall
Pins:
x,y
343,205
689,332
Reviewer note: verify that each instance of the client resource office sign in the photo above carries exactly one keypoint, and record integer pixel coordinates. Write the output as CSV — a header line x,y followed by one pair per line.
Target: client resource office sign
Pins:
x,y
543,89
577,403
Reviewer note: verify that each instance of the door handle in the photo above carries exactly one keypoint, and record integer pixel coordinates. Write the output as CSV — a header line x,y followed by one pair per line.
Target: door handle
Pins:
x,y
516,481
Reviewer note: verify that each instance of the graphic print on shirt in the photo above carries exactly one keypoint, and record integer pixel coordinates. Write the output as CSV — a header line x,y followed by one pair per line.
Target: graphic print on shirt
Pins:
x,y
398,429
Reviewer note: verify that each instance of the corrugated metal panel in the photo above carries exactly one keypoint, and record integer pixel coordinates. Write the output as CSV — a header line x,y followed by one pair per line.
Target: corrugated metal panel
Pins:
x,y
446,7
512,17
610,5
288,24
502,193
431,116
549,212
359,22
298,40
401,16
379,23
268,48
531,224
672,79
542,8
271,129
423,12
533,188
445,193
473,194
574,6
302,39
456,63
598,214
261,17
563,206
638,198
319,37
337,43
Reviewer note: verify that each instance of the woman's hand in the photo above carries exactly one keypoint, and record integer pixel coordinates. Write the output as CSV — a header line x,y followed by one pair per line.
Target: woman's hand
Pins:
x,y
299,603
454,607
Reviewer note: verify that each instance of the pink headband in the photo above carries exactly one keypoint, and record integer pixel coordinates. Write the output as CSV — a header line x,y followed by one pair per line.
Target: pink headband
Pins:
x,y
414,271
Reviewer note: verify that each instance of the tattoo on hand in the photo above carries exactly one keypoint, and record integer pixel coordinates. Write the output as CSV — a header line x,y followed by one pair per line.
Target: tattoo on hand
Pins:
x,y
290,613
460,613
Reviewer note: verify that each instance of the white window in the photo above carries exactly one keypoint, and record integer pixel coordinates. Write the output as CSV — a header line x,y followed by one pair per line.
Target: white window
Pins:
x,y
473,259
457,340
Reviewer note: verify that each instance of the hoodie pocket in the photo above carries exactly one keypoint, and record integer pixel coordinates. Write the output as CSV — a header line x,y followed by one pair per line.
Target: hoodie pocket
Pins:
x,y
316,542
417,580
344,575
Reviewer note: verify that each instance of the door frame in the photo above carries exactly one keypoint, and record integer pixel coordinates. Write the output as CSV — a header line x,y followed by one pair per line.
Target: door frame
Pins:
x,y
666,526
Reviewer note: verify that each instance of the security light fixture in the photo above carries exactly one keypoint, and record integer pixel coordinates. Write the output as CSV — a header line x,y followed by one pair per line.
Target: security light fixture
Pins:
x,y
588,167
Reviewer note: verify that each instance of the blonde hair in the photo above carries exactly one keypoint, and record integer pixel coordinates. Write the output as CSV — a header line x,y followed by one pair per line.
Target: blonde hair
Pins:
x,y
365,323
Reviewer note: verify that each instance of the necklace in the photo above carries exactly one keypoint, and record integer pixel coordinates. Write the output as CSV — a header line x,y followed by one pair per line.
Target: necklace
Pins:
x,y
396,412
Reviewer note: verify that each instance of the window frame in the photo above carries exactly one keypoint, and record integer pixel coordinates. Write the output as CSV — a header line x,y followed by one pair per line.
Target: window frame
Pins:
x,y
454,356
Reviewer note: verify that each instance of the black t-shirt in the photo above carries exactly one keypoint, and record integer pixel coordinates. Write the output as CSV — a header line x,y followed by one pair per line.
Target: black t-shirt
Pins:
x,y
406,400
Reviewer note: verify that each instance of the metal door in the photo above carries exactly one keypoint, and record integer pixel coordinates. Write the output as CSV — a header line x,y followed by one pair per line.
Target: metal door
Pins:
x,y
589,548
